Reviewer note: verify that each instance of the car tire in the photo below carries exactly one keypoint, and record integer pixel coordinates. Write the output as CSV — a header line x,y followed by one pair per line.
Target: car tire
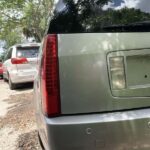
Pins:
x,y
5,80
40,141
12,86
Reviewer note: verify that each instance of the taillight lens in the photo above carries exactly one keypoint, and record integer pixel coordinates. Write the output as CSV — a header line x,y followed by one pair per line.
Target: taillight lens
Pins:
x,y
19,60
117,72
50,77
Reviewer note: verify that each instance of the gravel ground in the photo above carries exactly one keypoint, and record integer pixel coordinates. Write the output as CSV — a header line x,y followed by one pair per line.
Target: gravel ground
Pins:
x,y
17,120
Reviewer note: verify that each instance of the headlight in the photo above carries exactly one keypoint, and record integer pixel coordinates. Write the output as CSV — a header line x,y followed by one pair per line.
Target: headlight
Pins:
x,y
117,72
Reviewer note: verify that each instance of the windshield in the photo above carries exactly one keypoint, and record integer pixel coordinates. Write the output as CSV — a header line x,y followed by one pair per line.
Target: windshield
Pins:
x,y
77,16
27,52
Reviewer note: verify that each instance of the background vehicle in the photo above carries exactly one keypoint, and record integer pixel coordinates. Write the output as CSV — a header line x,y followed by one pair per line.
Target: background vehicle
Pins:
x,y
92,90
20,64
1,70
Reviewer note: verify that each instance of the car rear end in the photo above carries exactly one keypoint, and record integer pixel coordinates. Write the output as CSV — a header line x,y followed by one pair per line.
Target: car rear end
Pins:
x,y
24,62
92,90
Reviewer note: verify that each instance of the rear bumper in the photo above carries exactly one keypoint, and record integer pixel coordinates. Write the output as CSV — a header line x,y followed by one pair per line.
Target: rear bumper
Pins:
x,y
17,77
113,131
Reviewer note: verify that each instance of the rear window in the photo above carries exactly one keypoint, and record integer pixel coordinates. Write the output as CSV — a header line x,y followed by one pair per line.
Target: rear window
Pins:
x,y
27,52
85,16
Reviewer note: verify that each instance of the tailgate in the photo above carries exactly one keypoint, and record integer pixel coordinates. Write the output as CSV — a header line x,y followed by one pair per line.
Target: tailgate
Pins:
x,y
29,67
30,53
86,73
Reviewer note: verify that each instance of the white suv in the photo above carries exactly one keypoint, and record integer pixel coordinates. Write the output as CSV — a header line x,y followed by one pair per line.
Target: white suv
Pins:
x,y
20,64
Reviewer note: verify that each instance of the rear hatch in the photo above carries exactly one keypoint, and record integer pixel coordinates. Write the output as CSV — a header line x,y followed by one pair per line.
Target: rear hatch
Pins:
x,y
30,53
103,72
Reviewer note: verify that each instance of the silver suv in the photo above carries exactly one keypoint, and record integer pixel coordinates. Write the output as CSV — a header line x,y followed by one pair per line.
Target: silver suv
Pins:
x,y
20,64
92,90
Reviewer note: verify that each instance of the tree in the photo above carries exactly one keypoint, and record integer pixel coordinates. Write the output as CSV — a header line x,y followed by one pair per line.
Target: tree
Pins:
x,y
10,13
2,56
28,17
36,14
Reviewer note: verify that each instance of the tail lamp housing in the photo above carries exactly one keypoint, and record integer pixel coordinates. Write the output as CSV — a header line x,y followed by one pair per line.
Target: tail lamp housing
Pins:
x,y
117,72
22,60
50,77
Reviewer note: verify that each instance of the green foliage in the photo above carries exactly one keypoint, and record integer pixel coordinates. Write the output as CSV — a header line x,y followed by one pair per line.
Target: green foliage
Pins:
x,y
9,21
2,55
28,17
97,19
127,15
35,18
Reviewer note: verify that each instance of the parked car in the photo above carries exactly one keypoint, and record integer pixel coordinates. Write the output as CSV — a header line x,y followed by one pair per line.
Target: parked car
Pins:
x,y
20,64
92,90
1,70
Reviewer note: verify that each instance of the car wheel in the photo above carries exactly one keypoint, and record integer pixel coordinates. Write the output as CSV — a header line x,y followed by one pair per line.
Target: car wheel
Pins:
x,y
12,86
40,141
5,80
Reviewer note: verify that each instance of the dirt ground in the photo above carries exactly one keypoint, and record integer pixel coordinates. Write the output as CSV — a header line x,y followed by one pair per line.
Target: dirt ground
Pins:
x,y
17,119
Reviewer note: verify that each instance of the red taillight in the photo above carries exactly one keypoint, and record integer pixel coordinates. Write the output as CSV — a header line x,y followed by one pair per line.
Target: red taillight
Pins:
x,y
50,77
19,60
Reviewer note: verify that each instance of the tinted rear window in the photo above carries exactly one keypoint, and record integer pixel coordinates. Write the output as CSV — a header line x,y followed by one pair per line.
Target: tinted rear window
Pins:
x,y
79,16
28,52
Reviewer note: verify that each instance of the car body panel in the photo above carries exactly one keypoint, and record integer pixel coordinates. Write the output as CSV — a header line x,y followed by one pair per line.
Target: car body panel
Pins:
x,y
102,131
116,130
95,115
84,73
109,130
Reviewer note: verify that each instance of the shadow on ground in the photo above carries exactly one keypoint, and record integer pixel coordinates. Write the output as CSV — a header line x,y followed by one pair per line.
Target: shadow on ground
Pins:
x,y
28,141
21,118
23,87
21,112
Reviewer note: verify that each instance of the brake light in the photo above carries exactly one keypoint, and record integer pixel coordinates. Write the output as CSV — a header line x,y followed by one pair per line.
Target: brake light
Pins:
x,y
19,60
50,77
